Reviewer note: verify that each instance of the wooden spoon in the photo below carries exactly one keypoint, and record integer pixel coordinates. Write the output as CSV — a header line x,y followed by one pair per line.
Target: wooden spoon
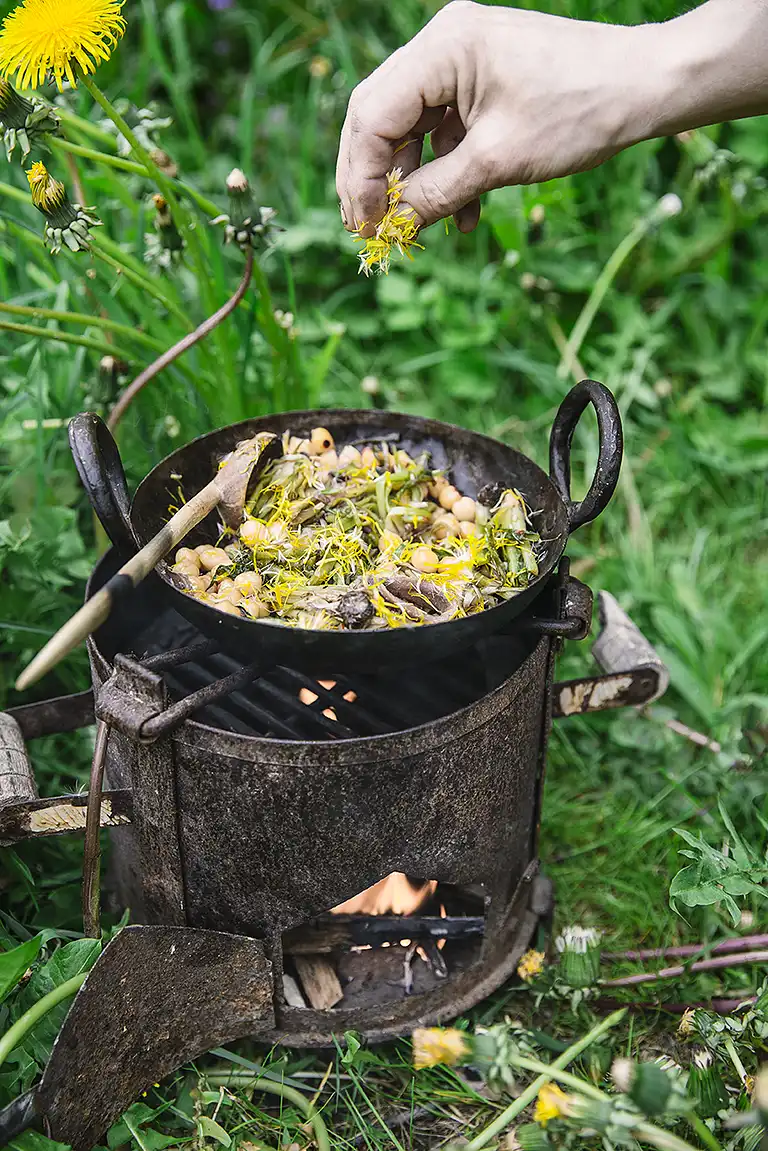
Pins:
x,y
228,491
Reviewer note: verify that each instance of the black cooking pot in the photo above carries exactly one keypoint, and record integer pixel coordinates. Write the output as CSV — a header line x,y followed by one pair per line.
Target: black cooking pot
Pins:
x,y
472,461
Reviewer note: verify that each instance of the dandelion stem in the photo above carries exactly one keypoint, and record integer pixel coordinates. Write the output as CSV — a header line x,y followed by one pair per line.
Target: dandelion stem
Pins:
x,y
735,1060
290,1094
27,1021
597,295
182,346
114,258
164,183
647,1131
531,1091
100,346
104,322
137,169
87,127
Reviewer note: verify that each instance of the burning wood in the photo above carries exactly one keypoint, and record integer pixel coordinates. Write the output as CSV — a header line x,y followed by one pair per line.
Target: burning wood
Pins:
x,y
395,895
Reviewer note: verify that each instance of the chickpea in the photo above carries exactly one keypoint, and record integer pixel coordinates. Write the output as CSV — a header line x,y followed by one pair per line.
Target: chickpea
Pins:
x,y
445,525
185,568
437,485
320,441
225,585
464,509
388,541
425,560
467,529
225,606
199,583
232,595
248,583
328,461
252,532
277,532
187,555
350,457
448,497
211,558
368,457
255,608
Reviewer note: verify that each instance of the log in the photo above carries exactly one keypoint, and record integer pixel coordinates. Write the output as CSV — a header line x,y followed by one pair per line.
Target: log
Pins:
x,y
17,782
319,981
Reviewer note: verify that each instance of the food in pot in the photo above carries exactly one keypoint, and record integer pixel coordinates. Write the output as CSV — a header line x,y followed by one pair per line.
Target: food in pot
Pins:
x,y
362,537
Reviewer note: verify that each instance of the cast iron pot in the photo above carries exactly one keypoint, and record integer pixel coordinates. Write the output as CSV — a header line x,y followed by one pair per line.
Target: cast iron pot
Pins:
x,y
472,460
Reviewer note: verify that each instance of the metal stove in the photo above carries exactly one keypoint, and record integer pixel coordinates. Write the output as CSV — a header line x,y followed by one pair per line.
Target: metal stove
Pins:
x,y
246,803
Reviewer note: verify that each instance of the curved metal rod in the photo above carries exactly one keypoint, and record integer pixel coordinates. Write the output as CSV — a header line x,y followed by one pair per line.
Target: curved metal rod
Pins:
x,y
183,345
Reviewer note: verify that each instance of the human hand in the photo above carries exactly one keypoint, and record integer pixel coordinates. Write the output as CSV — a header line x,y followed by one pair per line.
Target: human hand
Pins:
x,y
509,96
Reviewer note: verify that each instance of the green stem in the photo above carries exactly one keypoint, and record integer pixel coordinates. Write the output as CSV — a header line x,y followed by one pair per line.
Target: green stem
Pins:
x,y
87,127
14,194
112,256
123,165
703,1132
285,1092
652,1134
100,346
59,144
104,322
30,1018
735,1060
597,295
531,1091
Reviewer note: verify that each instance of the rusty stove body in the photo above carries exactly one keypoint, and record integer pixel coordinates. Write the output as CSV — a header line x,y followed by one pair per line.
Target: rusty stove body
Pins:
x,y
241,816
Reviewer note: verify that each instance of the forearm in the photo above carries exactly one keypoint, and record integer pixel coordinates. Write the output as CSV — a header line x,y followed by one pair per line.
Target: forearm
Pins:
x,y
708,65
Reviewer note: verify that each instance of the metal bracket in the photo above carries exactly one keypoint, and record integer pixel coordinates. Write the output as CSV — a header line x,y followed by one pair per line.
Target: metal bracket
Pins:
x,y
156,998
635,673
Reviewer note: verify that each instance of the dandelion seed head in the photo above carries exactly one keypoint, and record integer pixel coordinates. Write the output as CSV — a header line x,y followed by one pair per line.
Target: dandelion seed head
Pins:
x,y
58,36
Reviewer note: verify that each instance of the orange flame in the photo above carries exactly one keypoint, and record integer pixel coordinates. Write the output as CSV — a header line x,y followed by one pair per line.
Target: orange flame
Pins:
x,y
392,895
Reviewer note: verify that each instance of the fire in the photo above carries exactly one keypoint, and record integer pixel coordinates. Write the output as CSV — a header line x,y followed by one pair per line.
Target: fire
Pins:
x,y
393,895
309,697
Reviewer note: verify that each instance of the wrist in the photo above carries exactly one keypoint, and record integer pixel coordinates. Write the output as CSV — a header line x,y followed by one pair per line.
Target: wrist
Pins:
x,y
704,67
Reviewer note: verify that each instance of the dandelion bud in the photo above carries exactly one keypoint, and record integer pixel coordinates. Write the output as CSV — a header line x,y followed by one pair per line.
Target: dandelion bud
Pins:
x,y
237,183
319,67
646,1084
370,385
705,1085
668,206
23,121
245,224
166,244
164,162
579,949
66,223
529,1137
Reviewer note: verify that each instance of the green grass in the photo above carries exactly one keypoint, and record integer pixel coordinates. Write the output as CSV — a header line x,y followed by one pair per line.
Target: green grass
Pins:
x,y
470,332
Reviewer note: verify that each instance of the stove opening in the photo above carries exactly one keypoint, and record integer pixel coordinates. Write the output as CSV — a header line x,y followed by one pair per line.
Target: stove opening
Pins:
x,y
403,936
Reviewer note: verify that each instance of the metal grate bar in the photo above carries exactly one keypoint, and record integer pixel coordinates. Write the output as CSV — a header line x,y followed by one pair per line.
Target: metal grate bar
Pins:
x,y
240,706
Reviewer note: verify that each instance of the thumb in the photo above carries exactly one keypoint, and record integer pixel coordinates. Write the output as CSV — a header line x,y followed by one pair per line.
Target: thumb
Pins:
x,y
445,185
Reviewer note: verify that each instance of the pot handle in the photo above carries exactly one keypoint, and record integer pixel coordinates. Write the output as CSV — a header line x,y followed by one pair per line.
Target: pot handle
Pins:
x,y
101,472
609,457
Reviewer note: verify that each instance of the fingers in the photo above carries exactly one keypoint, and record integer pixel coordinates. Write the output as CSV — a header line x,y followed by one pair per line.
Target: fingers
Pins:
x,y
450,185
448,134
404,98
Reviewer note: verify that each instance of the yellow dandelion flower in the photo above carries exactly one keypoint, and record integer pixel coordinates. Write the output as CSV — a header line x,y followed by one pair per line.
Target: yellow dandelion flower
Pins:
x,y
396,230
58,36
531,965
551,1103
687,1025
433,1045
47,193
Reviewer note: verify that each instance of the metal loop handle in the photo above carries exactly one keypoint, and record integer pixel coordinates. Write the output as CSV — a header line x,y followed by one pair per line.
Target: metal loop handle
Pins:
x,y
609,455
101,472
